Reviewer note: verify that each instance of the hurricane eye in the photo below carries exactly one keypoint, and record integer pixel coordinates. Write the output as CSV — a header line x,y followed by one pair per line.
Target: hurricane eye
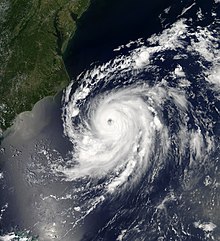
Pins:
x,y
110,121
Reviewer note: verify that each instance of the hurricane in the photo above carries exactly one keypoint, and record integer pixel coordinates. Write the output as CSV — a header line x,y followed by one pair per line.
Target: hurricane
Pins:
x,y
119,136
132,116
151,110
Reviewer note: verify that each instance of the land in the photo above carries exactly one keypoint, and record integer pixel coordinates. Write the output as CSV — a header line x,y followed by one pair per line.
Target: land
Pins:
x,y
34,35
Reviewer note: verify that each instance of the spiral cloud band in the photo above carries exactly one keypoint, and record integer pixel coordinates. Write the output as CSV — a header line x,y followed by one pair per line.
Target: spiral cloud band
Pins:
x,y
118,135
130,116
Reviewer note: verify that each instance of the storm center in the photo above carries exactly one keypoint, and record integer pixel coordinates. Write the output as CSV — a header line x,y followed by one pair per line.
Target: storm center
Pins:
x,y
110,121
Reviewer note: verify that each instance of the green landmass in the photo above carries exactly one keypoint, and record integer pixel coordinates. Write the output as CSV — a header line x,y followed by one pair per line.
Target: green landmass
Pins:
x,y
33,37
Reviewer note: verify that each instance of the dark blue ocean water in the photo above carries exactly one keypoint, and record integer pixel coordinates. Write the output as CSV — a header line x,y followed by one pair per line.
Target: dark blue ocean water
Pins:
x,y
111,23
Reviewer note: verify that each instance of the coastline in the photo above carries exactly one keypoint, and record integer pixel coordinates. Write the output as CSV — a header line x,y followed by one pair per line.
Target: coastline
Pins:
x,y
35,36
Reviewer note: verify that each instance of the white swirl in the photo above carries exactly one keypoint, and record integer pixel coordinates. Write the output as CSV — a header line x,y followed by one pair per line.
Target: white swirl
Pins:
x,y
119,133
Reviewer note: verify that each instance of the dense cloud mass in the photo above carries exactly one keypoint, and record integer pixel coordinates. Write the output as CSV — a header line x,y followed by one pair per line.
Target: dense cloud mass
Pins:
x,y
125,115
153,108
